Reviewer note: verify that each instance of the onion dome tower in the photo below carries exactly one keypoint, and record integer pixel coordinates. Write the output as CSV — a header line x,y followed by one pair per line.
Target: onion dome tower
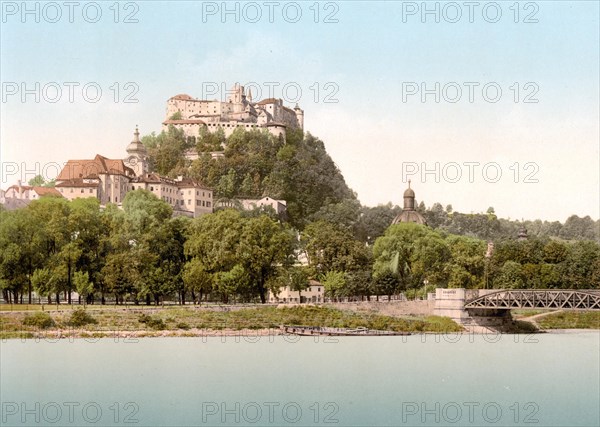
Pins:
x,y
409,214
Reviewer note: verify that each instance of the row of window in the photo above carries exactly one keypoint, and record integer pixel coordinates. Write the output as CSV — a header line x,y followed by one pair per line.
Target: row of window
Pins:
x,y
91,190
168,190
202,203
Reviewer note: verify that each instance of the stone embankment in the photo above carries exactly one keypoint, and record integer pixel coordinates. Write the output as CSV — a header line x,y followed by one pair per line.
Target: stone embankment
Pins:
x,y
390,308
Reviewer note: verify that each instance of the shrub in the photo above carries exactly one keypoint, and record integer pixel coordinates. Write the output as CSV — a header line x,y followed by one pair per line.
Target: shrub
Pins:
x,y
39,320
151,322
144,318
80,317
183,325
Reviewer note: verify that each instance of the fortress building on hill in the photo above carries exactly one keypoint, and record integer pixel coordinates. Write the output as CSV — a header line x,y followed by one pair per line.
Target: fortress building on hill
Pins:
x,y
239,110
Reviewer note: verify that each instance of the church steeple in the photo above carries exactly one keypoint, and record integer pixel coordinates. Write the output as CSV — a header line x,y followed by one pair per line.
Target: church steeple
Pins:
x,y
137,158
136,134
409,198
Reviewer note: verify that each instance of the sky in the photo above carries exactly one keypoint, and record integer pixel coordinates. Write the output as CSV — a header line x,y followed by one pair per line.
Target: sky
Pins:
x,y
478,104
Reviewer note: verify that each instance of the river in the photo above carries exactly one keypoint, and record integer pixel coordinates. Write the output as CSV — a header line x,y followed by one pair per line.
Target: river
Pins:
x,y
420,380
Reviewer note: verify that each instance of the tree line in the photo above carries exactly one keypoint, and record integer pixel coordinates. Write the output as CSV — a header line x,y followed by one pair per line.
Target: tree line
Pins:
x,y
141,254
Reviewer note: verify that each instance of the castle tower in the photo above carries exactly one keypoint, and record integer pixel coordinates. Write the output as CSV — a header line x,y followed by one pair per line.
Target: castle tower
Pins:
x,y
137,155
236,94
299,116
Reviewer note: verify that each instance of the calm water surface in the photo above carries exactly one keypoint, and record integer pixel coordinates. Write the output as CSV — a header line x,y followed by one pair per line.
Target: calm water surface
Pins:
x,y
544,380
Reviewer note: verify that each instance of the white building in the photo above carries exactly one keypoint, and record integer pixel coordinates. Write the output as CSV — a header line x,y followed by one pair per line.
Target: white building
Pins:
x,y
314,293
279,206
27,192
100,177
190,114
187,197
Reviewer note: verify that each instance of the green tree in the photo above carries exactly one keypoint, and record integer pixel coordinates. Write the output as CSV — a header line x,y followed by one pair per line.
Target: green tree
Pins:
x,y
374,221
83,285
467,264
510,276
333,282
331,248
414,253
264,245
37,181
197,280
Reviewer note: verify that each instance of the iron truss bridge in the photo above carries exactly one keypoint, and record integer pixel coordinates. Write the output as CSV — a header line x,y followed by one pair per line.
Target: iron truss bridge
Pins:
x,y
566,299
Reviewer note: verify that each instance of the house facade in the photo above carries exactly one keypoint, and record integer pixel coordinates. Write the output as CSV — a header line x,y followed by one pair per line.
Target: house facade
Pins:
x,y
314,293
278,205
27,192
186,196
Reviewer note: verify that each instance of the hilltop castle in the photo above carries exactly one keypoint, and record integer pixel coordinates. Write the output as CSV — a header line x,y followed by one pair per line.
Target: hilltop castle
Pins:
x,y
190,114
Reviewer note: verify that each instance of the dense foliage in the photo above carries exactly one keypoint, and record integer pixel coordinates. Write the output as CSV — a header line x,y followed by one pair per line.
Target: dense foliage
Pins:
x,y
256,164
142,254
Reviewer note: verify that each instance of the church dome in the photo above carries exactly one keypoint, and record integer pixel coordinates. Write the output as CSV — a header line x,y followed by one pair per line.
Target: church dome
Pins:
x,y
409,216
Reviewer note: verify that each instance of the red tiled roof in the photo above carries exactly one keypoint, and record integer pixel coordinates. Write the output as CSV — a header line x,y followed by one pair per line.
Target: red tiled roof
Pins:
x,y
78,183
47,191
91,168
181,96
23,187
190,183
151,178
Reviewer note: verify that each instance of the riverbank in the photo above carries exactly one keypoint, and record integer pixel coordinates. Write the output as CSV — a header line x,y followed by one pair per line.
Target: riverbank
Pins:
x,y
258,320
560,319
196,321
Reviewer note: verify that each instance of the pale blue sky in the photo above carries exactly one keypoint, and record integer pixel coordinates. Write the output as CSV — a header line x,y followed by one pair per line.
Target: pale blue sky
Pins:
x,y
368,54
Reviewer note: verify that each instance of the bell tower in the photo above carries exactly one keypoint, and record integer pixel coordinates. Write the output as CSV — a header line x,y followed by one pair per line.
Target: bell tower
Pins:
x,y
137,155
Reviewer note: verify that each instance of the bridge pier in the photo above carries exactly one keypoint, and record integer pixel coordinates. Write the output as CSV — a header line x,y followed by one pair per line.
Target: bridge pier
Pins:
x,y
451,303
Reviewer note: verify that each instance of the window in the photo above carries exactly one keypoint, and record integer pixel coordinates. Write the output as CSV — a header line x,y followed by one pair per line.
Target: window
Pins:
x,y
82,190
189,192
91,191
189,202
71,190
203,203
208,204
151,188
197,202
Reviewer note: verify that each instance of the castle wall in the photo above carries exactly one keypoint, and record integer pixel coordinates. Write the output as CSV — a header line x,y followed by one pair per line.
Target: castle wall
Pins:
x,y
236,111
